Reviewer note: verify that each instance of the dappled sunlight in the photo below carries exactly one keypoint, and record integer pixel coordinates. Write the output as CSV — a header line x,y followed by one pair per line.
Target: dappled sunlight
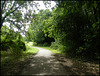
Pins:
x,y
77,67
43,52
66,62
47,63
50,37
43,63
43,66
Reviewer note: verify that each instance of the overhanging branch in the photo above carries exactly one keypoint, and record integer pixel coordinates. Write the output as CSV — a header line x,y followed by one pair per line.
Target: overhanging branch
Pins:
x,y
10,12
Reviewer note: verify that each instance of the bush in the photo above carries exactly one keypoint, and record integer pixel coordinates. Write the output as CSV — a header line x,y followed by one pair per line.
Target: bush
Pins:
x,y
7,45
14,46
34,43
18,47
45,44
62,48
54,45
21,45
58,45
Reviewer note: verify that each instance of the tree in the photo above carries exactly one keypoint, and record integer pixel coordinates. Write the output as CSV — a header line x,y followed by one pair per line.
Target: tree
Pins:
x,y
75,24
11,12
8,8
35,31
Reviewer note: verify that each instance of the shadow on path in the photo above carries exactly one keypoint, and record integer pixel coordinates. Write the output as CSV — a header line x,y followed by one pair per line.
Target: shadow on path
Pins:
x,y
77,67
44,66
45,63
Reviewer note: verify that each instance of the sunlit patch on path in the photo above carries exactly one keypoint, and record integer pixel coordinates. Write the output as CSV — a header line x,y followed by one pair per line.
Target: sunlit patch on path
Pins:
x,y
44,63
47,63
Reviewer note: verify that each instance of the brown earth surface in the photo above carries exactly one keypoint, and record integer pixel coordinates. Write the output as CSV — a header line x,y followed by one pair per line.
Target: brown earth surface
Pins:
x,y
47,63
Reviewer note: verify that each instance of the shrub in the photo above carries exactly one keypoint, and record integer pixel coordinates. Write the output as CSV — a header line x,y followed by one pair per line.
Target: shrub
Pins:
x,y
54,45
14,46
21,45
45,44
7,45
34,43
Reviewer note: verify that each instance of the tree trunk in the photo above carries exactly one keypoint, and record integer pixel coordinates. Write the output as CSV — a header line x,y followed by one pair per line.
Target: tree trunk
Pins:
x,y
0,27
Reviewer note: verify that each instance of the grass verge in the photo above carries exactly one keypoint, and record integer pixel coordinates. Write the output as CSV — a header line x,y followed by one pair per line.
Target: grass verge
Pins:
x,y
12,63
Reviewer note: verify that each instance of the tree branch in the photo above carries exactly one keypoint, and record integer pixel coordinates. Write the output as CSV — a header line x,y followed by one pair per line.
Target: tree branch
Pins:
x,y
3,4
10,12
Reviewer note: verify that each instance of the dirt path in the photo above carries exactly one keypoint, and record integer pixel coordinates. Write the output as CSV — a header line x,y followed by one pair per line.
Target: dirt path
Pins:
x,y
45,63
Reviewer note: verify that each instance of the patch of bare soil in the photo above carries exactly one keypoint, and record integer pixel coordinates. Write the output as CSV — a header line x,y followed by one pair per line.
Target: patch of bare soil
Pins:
x,y
44,63
47,63
78,67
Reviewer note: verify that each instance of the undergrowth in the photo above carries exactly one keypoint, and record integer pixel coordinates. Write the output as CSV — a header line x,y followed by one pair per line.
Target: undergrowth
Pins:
x,y
10,61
